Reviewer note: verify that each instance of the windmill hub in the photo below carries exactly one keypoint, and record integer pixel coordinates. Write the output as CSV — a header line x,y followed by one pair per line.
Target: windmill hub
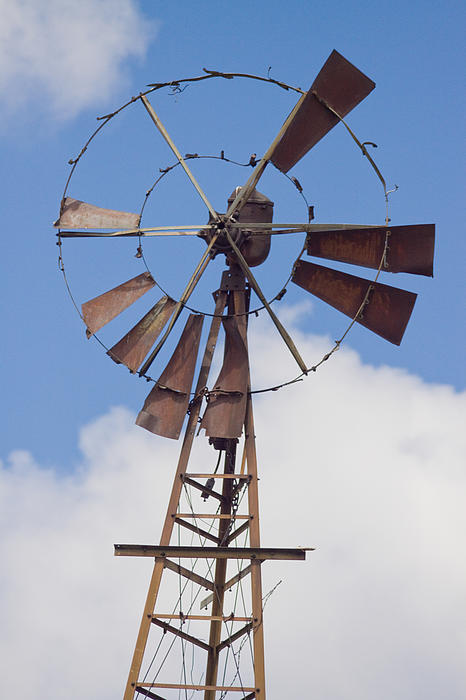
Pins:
x,y
253,243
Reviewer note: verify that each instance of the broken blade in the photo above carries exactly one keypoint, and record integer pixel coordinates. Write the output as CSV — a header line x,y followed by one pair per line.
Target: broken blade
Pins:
x,y
77,214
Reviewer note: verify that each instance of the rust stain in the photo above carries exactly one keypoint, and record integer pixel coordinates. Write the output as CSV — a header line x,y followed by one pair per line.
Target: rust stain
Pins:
x,y
410,248
225,413
77,214
166,406
342,86
99,311
135,345
387,310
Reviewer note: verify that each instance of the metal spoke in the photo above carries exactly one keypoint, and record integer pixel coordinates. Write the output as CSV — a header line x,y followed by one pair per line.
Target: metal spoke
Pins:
x,y
245,192
196,276
167,138
252,281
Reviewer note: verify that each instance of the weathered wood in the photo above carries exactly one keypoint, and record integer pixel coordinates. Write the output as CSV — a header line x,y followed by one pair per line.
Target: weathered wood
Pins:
x,y
237,532
220,618
232,638
187,573
204,489
174,499
184,686
231,582
253,553
199,531
187,637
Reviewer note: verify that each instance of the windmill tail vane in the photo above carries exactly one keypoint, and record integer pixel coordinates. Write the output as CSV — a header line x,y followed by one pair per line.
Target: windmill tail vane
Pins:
x,y
214,511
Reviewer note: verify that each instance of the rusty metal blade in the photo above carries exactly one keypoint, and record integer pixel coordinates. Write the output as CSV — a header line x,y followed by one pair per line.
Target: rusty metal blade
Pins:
x,y
387,309
99,311
77,214
166,406
226,410
135,345
339,84
410,248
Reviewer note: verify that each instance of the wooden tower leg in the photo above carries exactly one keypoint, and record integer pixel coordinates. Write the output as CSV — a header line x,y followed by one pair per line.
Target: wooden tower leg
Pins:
x,y
174,498
254,539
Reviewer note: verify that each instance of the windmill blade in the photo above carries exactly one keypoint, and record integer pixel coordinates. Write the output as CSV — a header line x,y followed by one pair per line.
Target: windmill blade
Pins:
x,y
226,410
135,345
410,248
339,84
99,311
386,311
77,214
166,406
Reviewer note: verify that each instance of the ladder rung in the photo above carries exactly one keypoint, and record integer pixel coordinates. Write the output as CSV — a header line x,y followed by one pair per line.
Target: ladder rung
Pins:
x,y
217,618
220,476
184,686
209,516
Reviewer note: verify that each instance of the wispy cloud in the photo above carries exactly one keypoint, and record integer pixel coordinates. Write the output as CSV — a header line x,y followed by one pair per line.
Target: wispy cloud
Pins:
x,y
363,463
62,56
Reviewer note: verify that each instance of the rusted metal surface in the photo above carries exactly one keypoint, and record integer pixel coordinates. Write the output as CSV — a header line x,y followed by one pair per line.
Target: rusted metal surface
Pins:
x,y
166,406
99,311
77,214
224,416
258,209
387,309
410,248
339,84
135,345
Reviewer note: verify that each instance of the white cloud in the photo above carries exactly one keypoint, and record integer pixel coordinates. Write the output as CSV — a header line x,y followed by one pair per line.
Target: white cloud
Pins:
x,y
363,463
63,55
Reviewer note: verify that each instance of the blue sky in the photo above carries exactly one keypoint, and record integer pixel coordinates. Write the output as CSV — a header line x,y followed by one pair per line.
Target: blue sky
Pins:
x,y
63,64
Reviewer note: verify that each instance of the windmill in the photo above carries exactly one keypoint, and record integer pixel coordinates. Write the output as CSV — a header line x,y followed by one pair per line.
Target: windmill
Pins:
x,y
210,542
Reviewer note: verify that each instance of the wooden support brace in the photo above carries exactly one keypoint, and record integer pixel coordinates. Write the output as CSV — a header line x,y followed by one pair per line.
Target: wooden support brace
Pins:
x,y
237,577
148,694
201,487
187,573
227,642
236,533
199,531
187,637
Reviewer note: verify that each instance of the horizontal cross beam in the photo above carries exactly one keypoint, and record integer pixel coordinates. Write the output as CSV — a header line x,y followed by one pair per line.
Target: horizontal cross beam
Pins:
x,y
184,686
259,553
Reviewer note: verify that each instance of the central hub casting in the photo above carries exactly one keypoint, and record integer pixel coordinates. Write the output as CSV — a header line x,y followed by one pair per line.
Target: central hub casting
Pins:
x,y
254,243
